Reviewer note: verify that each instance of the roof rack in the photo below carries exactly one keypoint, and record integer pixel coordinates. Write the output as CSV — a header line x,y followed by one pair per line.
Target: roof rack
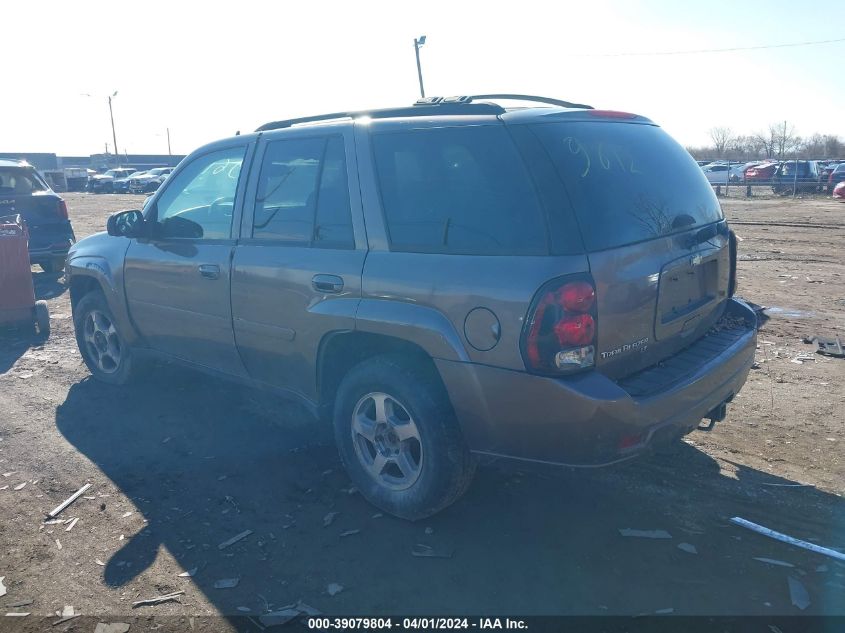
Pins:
x,y
421,109
517,97
459,105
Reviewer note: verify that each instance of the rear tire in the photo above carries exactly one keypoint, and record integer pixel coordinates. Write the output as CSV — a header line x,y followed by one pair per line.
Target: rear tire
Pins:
x,y
42,319
399,440
103,348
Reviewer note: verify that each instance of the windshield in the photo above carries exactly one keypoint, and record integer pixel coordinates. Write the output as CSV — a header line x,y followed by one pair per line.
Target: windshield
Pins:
x,y
20,181
628,182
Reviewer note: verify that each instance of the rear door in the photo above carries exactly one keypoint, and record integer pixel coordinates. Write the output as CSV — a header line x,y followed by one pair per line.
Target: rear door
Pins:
x,y
297,268
656,239
178,279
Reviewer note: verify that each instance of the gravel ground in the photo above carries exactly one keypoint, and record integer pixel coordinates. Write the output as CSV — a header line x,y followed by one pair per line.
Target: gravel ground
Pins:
x,y
181,462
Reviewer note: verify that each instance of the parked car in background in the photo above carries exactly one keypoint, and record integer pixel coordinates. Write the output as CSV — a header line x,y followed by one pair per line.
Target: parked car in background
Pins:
x,y
836,176
104,183
149,181
839,191
23,191
760,172
121,185
463,284
719,173
797,175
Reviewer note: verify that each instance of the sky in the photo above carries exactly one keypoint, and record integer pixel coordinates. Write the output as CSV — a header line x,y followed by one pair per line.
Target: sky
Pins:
x,y
205,69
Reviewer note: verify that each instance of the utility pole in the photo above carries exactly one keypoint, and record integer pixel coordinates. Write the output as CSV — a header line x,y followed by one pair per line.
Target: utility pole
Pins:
x,y
418,42
113,134
169,153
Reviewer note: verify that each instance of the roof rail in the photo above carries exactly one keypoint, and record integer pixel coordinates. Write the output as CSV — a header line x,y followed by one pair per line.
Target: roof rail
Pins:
x,y
439,107
516,97
428,105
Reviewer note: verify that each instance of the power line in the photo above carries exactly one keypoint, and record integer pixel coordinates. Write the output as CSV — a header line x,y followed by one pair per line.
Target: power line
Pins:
x,y
711,50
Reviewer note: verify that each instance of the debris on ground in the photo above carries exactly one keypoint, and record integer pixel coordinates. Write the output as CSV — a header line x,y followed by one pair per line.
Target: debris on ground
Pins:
x,y
334,588
689,548
802,358
329,518
774,561
126,515
827,346
99,562
158,599
17,615
644,533
66,614
71,524
226,583
287,613
234,539
20,486
114,627
20,603
64,504
422,550
2,586
349,533
785,538
798,593
58,544
188,574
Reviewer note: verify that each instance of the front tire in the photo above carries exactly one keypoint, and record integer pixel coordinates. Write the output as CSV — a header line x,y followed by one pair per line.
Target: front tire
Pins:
x,y
399,440
104,350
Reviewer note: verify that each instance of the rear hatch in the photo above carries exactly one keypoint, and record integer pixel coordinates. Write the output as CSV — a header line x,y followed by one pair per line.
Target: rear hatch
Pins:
x,y
655,236
22,191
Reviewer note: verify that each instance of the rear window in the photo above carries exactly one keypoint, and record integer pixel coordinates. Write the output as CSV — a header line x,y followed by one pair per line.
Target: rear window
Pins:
x,y
461,190
20,181
628,182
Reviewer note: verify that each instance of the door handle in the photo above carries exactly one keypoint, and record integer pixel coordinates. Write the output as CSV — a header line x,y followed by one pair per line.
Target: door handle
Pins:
x,y
209,271
331,284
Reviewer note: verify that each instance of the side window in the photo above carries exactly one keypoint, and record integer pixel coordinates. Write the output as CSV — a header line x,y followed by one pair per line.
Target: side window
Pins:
x,y
462,190
199,201
302,195
333,223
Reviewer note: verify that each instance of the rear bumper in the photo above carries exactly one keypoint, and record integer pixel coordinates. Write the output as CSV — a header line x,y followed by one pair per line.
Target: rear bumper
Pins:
x,y
48,241
589,419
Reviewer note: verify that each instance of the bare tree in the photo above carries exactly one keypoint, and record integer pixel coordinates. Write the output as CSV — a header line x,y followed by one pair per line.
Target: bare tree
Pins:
x,y
764,143
833,146
783,138
721,137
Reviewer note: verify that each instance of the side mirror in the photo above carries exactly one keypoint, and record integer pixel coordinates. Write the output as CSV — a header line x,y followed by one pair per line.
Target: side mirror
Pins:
x,y
126,224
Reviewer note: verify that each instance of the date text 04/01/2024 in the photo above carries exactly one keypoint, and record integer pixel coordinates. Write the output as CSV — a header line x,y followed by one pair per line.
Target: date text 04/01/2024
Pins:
x,y
416,623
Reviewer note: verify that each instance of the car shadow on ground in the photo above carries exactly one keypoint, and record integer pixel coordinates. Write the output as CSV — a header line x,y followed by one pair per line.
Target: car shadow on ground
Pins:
x,y
204,461
48,285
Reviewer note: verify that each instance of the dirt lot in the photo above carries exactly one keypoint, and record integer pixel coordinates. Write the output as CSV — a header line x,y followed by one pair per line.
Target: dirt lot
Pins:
x,y
181,463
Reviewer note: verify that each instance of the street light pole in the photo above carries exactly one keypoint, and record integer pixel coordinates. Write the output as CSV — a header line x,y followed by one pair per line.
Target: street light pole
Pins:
x,y
418,42
169,153
113,134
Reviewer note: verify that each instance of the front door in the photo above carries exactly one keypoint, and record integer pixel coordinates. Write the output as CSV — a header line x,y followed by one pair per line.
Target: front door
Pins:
x,y
178,279
297,268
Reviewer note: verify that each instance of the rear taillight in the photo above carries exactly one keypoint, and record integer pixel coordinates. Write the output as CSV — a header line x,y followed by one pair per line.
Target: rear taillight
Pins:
x,y
63,209
560,333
